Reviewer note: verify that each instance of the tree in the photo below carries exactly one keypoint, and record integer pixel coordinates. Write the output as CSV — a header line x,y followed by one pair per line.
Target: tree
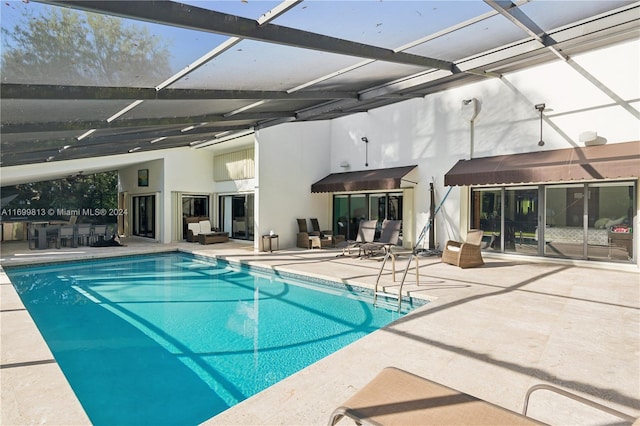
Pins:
x,y
51,199
56,45
65,46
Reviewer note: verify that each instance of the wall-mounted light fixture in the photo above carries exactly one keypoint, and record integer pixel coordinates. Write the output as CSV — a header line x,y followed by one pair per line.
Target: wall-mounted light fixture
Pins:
x,y
590,138
366,150
541,108
345,164
469,109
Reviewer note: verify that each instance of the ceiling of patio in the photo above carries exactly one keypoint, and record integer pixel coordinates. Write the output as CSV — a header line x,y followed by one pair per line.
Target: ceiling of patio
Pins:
x,y
237,66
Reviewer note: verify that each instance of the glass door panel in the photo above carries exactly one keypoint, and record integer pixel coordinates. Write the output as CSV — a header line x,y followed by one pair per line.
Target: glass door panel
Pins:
x,y
394,207
565,219
195,205
486,210
610,213
521,220
144,216
250,215
341,215
237,215
226,224
357,212
377,210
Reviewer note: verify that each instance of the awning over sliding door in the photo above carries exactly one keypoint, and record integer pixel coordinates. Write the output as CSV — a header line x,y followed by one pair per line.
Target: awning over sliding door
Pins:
x,y
367,180
611,161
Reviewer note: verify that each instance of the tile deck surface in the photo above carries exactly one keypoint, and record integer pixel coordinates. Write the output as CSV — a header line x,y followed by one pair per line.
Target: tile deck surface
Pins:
x,y
491,332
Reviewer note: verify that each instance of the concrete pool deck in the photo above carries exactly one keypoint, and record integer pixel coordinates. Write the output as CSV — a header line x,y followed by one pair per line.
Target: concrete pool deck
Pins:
x,y
492,332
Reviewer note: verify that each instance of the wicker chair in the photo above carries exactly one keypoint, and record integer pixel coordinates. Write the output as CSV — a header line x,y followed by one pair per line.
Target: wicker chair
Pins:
x,y
467,254
310,239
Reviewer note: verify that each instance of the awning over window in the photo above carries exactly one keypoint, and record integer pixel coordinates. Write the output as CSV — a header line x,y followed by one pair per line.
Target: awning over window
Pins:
x,y
618,160
367,180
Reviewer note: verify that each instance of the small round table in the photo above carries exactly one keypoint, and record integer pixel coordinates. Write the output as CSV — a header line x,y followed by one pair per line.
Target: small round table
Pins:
x,y
270,238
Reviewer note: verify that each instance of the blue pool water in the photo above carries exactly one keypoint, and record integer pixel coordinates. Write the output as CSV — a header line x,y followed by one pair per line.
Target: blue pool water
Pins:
x,y
177,339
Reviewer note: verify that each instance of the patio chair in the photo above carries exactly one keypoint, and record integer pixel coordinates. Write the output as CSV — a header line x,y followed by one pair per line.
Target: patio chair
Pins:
x,y
328,235
310,239
205,227
98,233
366,234
66,233
193,229
467,254
389,237
83,233
397,397
315,226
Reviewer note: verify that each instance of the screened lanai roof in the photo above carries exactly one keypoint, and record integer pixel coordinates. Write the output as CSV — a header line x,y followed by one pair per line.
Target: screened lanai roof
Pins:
x,y
197,73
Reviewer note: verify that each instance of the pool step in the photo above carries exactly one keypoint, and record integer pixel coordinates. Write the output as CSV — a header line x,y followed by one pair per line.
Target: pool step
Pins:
x,y
386,300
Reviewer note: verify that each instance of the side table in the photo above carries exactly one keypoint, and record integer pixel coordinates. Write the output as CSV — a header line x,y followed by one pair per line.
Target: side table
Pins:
x,y
270,238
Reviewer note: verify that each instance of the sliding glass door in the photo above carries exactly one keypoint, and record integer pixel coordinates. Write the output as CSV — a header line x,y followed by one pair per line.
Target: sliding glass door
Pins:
x,y
350,209
576,221
144,216
237,215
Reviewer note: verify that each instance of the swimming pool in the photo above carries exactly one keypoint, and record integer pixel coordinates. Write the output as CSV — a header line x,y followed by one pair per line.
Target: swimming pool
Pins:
x,y
177,339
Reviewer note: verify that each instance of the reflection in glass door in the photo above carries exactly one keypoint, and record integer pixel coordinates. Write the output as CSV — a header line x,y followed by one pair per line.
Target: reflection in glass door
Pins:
x,y
610,209
144,216
577,221
350,209
486,214
237,215
357,212
521,220
341,215
565,221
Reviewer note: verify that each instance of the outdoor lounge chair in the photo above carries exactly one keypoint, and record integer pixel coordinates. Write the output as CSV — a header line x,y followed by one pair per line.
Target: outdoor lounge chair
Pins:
x,y
366,234
397,397
467,254
389,237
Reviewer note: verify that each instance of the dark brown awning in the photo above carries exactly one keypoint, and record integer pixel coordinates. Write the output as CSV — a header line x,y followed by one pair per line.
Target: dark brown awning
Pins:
x,y
611,161
365,180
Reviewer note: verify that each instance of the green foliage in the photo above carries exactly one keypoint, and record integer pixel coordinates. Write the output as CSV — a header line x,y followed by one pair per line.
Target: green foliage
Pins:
x,y
65,46
83,193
